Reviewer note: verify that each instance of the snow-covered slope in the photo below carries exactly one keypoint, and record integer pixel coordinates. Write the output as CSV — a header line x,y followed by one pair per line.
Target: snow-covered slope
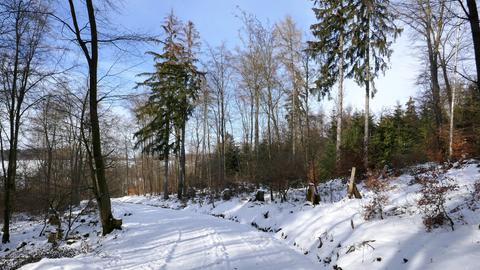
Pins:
x,y
335,234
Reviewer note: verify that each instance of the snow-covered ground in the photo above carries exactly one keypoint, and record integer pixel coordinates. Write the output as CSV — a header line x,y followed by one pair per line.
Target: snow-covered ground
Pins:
x,y
156,238
336,234
245,234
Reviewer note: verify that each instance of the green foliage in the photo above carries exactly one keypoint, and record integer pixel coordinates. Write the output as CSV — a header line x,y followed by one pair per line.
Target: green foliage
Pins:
x,y
371,31
232,156
326,162
367,28
333,19
173,88
467,115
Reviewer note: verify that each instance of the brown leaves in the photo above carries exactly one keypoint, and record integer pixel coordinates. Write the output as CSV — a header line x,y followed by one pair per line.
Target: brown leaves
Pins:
x,y
432,201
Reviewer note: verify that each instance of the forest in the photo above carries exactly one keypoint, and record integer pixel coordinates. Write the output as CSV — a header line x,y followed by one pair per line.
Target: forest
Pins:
x,y
268,119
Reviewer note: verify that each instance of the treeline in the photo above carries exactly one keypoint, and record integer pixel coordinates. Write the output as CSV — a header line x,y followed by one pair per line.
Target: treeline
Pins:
x,y
254,117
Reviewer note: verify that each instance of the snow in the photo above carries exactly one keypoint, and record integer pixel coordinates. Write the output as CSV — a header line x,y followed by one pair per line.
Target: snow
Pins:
x,y
156,238
245,234
399,241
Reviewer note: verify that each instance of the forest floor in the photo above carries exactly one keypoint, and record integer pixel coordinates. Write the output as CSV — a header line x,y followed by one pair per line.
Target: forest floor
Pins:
x,y
245,234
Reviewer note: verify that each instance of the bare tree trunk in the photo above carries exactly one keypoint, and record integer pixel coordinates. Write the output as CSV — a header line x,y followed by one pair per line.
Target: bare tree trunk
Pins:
x,y
181,179
366,134
222,133
339,105
257,113
205,130
26,33
452,102
165,178
308,153
103,197
433,43
197,148
127,180
76,173
475,27
433,66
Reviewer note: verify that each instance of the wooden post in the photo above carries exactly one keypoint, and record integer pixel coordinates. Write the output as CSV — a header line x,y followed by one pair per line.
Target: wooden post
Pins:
x,y
352,187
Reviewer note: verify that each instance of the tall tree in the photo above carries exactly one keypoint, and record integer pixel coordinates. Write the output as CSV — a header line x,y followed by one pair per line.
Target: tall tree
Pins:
x,y
329,50
471,11
173,89
219,77
290,45
154,136
22,44
428,19
249,68
109,223
189,92
372,30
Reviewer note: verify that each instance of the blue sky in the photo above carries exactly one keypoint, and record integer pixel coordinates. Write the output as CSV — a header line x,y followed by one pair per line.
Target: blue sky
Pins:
x,y
216,22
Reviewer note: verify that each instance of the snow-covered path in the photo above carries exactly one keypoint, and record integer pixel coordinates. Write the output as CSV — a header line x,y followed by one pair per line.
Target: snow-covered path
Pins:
x,y
156,238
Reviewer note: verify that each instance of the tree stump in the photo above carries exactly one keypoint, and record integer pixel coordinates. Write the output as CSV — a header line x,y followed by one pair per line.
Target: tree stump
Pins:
x,y
260,196
227,194
312,195
316,199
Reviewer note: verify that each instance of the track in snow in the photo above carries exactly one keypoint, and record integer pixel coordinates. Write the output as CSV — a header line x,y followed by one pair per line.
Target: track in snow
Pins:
x,y
157,238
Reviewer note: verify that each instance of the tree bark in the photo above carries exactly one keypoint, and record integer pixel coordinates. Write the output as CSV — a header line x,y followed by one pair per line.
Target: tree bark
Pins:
x,y
452,100
433,43
474,25
181,180
165,179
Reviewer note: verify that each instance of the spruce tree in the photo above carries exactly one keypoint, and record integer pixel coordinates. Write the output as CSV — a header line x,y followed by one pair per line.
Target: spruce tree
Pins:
x,y
172,89
187,94
328,49
372,30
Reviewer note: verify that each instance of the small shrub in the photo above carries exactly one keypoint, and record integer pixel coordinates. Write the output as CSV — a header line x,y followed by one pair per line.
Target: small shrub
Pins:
x,y
473,203
476,191
432,201
374,208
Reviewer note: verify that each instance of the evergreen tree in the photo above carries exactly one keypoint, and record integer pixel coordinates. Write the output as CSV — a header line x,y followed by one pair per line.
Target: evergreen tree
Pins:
x,y
187,93
384,140
331,33
412,139
371,29
154,137
352,141
173,89
232,156
333,18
